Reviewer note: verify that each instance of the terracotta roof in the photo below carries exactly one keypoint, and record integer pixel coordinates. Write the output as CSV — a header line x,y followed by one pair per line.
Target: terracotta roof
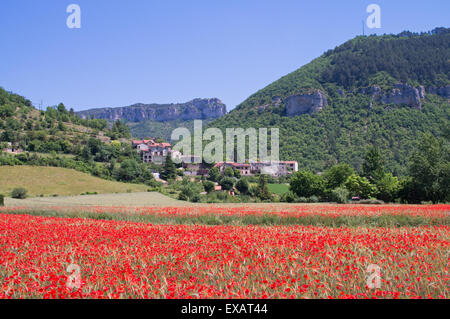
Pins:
x,y
163,145
137,142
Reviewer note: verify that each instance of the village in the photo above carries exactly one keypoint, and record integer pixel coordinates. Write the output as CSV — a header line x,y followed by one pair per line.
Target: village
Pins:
x,y
157,153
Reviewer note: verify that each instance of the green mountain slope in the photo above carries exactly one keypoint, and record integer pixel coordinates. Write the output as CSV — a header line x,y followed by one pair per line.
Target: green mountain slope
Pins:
x,y
379,90
55,129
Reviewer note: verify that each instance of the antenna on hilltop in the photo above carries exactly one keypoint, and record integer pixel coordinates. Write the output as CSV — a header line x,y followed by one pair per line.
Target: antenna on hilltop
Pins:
x,y
363,28
40,105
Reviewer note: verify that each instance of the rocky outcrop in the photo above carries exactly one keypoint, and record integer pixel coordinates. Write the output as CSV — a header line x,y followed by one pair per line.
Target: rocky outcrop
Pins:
x,y
403,94
305,103
198,109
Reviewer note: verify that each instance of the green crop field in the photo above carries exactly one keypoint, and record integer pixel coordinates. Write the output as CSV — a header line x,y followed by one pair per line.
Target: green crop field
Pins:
x,y
49,181
279,189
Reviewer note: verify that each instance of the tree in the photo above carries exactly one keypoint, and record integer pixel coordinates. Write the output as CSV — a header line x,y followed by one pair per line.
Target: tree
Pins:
x,y
61,126
360,186
337,175
214,174
208,186
8,136
120,129
262,191
190,191
129,170
229,172
340,195
243,186
388,187
86,154
169,172
227,183
430,169
307,184
373,167
61,108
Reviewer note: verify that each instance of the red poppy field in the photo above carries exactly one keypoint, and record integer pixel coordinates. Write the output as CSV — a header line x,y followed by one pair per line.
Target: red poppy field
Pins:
x,y
52,257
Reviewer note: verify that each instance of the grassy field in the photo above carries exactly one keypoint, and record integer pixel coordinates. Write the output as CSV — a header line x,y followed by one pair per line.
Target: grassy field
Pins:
x,y
279,189
106,200
49,181
137,199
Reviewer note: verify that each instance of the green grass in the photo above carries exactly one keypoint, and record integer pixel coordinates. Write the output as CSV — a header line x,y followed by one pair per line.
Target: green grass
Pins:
x,y
109,200
279,189
49,181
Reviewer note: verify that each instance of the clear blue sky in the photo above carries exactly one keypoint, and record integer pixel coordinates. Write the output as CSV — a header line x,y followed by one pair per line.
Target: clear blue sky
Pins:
x,y
158,51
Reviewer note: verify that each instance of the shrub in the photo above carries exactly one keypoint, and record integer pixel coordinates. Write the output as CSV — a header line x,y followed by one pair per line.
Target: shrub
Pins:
x,y
340,195
196,198
313,199
288,197
190,191
302,200
243,186
2,200
19,193
262,190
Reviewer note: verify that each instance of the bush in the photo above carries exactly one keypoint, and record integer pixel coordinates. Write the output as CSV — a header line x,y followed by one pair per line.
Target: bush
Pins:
x,y
190,191
262,190
313,199
340,195
196,198
243,186
2,200
288,197
302,200
19,193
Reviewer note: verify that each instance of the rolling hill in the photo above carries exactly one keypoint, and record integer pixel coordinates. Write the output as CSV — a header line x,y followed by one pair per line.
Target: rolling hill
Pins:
x,y
382,91
49,181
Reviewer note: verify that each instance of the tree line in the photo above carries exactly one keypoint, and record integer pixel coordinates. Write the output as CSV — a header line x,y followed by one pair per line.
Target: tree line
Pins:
x,y
428,178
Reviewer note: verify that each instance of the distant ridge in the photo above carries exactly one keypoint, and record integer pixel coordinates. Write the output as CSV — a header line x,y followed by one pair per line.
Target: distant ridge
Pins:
x,y
197,109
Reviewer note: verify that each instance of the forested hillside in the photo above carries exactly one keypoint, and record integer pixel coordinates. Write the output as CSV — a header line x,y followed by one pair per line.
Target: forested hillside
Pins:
x,y
60,138
382,91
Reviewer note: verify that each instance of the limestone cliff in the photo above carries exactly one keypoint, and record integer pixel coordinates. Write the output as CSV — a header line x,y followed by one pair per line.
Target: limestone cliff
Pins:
x,y
305,103
198,109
